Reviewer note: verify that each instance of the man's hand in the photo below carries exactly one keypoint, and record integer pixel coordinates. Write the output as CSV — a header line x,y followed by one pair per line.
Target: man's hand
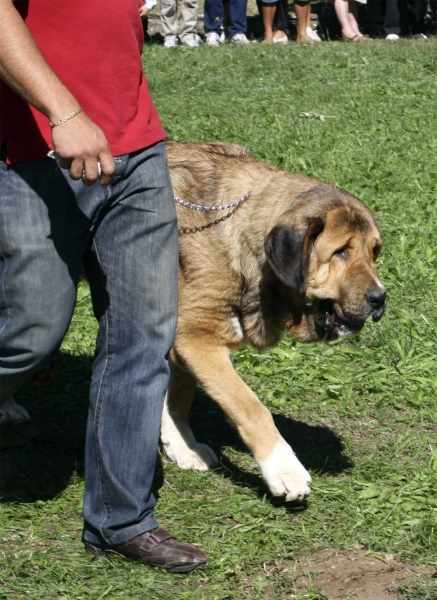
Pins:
x,y
144,11
80,145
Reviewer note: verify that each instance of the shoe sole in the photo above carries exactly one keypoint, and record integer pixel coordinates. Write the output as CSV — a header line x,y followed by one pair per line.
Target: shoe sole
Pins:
x,y
103,552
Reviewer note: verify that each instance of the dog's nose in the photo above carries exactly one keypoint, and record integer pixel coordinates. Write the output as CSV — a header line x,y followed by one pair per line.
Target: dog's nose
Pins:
x,y
376,299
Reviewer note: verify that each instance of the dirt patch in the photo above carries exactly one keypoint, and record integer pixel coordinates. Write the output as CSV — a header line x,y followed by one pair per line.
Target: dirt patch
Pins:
x,y
358,574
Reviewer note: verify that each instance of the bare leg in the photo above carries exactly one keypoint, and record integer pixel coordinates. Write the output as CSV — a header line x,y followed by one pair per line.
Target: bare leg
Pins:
x,y
281,22
308,21
268,15
303,13
353,17
346,13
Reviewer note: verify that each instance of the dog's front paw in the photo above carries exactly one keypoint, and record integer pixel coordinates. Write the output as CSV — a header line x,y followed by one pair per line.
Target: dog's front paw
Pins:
x,y
11,412
284,473
198,457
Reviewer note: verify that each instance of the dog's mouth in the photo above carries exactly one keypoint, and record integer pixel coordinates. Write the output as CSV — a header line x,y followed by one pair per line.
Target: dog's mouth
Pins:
x,y
377,314
332,325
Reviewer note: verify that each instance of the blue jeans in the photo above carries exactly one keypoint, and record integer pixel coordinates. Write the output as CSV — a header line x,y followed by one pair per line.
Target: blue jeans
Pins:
x,y
213,16
126,235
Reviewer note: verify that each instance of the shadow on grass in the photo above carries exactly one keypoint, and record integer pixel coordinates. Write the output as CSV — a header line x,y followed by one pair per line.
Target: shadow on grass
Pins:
x,y
317,447
39,458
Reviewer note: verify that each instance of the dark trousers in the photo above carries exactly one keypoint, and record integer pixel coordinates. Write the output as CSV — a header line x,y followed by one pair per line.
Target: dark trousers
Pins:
x,y
213,16
404,16
126,235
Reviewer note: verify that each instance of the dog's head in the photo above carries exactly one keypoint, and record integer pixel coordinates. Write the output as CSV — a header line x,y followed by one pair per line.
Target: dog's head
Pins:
x,y
324,250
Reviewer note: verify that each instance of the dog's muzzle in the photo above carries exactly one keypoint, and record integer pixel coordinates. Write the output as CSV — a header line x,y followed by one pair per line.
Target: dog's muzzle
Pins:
x,y
334,325
378,302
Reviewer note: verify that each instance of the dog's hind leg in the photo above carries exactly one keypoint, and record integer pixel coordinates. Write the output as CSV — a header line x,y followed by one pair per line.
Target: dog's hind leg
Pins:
x,y
212,368
177,438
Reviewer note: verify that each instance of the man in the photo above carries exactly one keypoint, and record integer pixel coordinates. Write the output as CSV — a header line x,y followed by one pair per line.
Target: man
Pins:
x,y
74,84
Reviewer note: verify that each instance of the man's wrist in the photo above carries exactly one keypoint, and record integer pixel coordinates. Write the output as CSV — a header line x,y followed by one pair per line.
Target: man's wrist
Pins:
x,y
65,104
66,118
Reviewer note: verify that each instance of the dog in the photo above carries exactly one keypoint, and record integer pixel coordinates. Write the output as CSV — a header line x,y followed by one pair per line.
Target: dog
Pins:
x,y
290,254
294,255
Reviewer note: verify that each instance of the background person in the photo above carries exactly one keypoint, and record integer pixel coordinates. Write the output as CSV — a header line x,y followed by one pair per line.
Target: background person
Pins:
x,y
347,14
274,16
305,34
188,23
214,18
404,17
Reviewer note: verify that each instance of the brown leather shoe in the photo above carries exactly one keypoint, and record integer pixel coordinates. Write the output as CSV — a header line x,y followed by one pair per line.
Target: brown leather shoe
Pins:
x,y
155,548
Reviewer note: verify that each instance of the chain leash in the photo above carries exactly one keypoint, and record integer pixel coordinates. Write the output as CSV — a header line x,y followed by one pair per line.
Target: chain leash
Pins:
x,y
200,207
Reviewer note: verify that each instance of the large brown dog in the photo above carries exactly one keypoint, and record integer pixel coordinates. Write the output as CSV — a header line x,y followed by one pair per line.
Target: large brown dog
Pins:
x,y
298,256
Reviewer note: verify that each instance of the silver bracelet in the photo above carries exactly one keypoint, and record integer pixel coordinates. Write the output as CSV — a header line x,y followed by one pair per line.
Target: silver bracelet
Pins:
x,y
73,114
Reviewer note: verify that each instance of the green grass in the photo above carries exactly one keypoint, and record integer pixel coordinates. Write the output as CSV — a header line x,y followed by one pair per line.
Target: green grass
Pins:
x,y
361,414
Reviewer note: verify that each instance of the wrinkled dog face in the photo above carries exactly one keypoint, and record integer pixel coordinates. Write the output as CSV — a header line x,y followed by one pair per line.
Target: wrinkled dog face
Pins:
x,y
343,283
328,259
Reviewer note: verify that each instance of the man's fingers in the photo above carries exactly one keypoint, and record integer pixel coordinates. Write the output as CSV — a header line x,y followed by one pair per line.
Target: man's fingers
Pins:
x,y
91,172
76,168
64,163
108,167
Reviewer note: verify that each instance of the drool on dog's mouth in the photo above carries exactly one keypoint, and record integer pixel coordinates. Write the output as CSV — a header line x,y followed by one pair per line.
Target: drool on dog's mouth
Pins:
x,y
334,326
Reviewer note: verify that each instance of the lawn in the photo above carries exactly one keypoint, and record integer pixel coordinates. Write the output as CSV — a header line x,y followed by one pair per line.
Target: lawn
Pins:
x,y
361,413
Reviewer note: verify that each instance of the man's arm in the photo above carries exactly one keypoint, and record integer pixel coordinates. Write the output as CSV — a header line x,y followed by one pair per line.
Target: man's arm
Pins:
x,y
79,142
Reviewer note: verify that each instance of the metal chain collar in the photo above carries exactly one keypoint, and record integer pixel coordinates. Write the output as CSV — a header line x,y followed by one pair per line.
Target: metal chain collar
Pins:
x,y
201,207
210,208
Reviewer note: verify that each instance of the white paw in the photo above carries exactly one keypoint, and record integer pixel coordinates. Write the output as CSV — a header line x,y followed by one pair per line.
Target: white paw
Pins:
x,y
180,444
284,473
199,457
11,411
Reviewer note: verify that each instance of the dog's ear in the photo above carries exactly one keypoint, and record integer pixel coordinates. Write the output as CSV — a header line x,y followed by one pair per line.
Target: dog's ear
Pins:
x,y
288,251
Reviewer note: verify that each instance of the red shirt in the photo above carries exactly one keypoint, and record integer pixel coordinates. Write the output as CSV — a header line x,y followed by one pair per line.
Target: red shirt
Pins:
x,y
94,47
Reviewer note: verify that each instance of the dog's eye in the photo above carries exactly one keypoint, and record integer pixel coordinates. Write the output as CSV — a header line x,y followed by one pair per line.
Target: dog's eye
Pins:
x,y
376,251
341,252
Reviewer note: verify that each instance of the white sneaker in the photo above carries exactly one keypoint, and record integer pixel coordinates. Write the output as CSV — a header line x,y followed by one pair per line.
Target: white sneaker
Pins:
x,y
282,40
240,38
313,35
223,35
213,39
191,41
170,42
392,37
420,36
